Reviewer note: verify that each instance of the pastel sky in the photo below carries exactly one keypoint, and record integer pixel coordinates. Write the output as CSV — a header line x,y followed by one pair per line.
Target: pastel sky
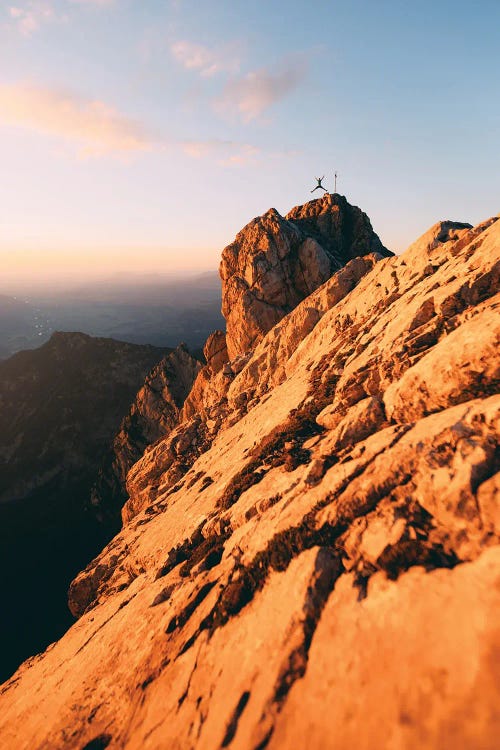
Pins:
x,y
141,135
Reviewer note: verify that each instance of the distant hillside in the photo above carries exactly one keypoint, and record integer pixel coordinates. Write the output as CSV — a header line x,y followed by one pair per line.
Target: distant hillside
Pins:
x,y
60,407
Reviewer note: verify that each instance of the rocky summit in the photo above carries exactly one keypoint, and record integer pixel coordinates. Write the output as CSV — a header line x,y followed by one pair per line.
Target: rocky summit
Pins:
x,y
276,262
310,552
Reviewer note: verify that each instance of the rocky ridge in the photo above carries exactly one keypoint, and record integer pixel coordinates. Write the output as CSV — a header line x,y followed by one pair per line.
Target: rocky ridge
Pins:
x,y
310,558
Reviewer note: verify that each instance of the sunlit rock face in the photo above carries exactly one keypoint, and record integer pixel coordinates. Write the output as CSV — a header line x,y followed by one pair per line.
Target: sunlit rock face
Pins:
x,y
311,557
439,234
215,351
276,262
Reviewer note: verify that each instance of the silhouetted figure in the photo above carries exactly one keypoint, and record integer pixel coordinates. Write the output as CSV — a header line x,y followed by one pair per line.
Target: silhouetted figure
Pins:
x,y
319,185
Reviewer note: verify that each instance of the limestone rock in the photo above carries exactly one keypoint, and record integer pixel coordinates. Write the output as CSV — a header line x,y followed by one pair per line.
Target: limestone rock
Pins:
x,y
361,420
403,662
342,230
440,233
194,402
215,351
463,363
276,262
312,558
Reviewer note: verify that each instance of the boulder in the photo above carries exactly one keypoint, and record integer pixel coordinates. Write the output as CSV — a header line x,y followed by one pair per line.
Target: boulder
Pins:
x,y
215,351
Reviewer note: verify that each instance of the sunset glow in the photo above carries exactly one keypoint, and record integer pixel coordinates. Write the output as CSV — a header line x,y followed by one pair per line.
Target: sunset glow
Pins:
x,y
142,135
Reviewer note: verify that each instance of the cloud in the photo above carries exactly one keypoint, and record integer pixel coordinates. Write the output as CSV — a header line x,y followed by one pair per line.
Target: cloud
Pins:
x,y
226,153
201,149
204,60
28,17
250,95
92,2
97,127
241,156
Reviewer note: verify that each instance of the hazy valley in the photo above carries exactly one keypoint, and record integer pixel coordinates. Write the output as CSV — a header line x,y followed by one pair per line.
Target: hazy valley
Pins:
x,y
141,310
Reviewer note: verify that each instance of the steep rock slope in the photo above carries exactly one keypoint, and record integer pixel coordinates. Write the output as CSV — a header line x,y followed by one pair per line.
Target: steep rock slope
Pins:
x,y
276,262
60,406
324,569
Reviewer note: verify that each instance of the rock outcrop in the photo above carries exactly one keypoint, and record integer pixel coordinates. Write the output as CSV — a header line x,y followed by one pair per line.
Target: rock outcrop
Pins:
x,y
215,351
312,558
439,234
276,262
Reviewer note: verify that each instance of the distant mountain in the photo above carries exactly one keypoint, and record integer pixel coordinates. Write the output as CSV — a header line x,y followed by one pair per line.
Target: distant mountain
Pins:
x,y
60,407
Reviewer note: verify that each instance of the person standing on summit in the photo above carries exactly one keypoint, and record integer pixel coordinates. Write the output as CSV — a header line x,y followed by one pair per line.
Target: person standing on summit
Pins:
x,y
319,185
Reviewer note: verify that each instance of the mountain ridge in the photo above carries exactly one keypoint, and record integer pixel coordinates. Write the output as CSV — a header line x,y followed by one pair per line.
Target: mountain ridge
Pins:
x,y
60,406
299,550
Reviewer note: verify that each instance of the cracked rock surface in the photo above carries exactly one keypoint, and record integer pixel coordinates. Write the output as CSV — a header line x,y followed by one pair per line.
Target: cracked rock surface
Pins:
x,y
275,262
311,557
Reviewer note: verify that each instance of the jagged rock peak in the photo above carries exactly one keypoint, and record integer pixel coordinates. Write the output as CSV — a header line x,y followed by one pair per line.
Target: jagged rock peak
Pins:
x,y
343,230
439,234
275,262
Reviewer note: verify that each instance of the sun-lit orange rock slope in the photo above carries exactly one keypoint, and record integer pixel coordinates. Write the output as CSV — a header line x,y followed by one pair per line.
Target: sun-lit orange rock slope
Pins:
x,y
310,558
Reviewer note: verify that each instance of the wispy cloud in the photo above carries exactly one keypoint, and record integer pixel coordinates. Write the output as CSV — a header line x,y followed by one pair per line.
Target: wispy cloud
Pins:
x,y
227,153
98,129
92,2
207,62
251,95
28,17
94,125
244,155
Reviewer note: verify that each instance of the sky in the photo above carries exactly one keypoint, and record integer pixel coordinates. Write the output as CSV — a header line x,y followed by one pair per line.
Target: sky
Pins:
x,y
141,135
